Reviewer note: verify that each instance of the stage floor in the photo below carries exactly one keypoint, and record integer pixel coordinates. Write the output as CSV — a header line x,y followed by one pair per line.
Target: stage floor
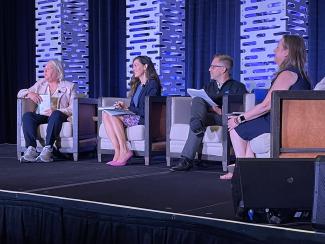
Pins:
x,y
195,194
198,192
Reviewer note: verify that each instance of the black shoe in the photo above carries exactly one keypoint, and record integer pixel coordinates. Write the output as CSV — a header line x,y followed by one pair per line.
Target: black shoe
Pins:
x,y
200,164
183,165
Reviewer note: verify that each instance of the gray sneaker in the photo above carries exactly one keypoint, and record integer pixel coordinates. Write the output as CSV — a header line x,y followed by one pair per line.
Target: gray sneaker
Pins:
x,y
46,155
30,155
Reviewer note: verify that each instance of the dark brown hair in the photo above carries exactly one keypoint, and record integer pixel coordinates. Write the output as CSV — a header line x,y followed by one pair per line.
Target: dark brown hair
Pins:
x,y
151,73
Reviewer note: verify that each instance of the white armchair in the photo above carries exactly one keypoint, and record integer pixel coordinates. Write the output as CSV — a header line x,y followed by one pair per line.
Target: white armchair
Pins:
x,y
77,135
144,140
216,142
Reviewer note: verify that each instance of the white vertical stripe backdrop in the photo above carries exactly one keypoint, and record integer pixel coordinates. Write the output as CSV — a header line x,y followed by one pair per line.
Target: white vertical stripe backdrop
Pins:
x,y
262,25
62,33
157,29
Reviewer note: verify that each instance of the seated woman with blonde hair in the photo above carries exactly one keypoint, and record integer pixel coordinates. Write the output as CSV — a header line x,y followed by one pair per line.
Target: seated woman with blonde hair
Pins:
x,y
144,82
60,94
290,56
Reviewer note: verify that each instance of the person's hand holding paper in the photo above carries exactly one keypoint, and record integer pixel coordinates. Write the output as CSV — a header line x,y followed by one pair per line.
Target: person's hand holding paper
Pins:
x,y
216,109
34,97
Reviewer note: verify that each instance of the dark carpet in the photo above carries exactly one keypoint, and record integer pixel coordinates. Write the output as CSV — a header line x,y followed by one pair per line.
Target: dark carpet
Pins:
x,y
198,192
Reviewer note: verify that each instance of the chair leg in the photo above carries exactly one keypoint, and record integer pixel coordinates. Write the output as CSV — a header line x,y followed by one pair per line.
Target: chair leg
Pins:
x,y
225,165
146,161
75,157
19,155
168,161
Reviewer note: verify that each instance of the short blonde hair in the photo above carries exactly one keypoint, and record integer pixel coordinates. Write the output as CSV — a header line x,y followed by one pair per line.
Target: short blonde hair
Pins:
x,y
58,66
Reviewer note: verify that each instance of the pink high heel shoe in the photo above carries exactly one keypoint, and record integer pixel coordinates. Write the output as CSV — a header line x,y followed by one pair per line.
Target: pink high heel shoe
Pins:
x,y
123,162
111,162
117,163
227,176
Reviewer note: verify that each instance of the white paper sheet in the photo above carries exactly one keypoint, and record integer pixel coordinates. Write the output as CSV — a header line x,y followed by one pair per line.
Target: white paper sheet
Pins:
x,y
202,94
45,104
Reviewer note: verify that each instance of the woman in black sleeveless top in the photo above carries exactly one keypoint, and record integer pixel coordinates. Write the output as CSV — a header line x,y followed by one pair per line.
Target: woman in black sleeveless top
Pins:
x,y
290,56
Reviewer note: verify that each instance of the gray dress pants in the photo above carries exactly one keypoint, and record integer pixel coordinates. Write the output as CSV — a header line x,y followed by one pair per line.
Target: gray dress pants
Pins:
x,y
200,119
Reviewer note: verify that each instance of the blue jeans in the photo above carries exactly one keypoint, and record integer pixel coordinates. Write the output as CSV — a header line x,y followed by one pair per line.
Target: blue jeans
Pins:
x,y
32,120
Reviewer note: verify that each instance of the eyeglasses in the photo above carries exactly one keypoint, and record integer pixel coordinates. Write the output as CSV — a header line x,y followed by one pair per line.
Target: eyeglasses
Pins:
x,y
216,65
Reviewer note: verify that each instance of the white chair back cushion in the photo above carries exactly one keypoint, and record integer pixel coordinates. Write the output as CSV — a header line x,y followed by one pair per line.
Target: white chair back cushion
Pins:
x,y
179,132
249,101
66,130
181,104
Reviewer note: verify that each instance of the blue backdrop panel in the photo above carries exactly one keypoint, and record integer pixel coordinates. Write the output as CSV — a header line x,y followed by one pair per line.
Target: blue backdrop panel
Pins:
x,y
211,27
316,55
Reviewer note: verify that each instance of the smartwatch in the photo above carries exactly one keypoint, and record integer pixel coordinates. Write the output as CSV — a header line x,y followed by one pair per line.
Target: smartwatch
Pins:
x,y
242,118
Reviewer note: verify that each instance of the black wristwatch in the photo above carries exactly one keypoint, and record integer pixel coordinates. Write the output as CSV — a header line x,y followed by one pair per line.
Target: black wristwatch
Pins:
x,y
242,119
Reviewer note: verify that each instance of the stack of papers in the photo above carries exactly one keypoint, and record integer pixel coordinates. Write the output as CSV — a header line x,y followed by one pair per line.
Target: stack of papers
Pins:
x,y
115,111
